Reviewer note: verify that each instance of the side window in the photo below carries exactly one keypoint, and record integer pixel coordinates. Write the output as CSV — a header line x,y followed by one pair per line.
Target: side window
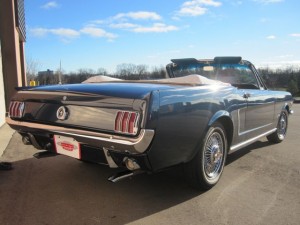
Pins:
x,y
240,76
228,75
246,79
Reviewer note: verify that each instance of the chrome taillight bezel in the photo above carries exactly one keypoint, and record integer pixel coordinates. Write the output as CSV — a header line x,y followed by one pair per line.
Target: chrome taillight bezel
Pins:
x,y
127,122
16,109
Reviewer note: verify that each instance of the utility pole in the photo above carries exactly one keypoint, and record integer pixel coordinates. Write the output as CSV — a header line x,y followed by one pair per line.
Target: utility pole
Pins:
x,y
59,73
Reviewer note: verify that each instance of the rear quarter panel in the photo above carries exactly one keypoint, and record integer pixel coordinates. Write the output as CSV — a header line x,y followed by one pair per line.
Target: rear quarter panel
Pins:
x,y
182,121
185,114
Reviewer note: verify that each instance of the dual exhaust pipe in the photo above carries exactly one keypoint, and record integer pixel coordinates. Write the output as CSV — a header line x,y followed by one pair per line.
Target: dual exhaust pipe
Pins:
x,y
131,164
29,139
133,169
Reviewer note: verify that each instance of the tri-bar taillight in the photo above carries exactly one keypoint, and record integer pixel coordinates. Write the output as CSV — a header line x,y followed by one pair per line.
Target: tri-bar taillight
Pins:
x,y
16,109
127,122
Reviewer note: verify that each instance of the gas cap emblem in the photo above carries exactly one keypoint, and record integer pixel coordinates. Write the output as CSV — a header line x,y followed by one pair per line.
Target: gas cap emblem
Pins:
x,y
62,113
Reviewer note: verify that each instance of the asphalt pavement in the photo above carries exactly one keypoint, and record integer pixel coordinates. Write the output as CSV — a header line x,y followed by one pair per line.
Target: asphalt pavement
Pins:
x,y
260,185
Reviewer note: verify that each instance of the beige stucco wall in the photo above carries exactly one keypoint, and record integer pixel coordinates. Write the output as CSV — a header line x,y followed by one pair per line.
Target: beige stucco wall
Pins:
x,y
13,58
2,98
18,59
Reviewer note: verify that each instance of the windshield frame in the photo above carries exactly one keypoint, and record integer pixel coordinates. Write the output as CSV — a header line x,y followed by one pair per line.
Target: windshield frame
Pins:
x,y
193,65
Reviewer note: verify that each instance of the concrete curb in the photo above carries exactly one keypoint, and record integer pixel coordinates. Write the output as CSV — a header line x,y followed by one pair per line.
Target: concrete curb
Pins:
x,y
6,134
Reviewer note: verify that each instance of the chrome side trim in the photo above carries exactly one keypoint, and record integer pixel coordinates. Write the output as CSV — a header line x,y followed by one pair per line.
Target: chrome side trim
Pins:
x,y
249,141
239,122
133,145
254,129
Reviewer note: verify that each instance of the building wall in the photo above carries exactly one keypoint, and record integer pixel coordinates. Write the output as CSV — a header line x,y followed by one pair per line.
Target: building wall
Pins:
x,y
2,98
18,58
12,41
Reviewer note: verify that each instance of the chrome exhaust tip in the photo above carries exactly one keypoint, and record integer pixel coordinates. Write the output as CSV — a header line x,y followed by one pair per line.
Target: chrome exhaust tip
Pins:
x,y
120,176
123,174
131,164
26,140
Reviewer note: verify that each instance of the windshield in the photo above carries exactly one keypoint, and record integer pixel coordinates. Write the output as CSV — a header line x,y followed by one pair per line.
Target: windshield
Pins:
x,y
235,74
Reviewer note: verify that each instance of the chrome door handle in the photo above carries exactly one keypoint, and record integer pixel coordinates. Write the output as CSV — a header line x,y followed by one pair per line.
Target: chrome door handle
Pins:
x,y
246,95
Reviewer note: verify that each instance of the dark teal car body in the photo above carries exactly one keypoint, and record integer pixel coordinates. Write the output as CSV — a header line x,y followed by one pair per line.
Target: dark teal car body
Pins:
x,y
153,125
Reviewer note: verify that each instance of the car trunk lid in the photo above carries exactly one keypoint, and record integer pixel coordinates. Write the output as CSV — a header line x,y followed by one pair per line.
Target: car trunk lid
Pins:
x,y
106,107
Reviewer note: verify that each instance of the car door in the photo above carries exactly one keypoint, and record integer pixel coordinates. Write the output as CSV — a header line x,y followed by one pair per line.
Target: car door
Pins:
x,y
260,105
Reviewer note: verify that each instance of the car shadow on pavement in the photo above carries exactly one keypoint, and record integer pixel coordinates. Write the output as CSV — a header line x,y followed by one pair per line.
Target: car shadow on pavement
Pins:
x,y
244,151
61,190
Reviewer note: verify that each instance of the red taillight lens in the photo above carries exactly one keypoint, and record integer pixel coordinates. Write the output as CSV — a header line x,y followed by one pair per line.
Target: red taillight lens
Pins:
x,y
16,109
127,122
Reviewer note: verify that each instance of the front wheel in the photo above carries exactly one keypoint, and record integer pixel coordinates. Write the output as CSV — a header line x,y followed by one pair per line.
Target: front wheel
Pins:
x,y
279,135
205,170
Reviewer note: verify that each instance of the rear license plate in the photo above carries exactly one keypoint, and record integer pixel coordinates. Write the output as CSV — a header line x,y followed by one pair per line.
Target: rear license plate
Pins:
x,y
67,146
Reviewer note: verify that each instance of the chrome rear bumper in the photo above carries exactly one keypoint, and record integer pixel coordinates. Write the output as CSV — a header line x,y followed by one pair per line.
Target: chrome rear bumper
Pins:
x,y
134,145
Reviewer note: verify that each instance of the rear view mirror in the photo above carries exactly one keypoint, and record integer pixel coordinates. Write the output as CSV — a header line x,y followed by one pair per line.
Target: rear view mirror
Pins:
x,y
208,68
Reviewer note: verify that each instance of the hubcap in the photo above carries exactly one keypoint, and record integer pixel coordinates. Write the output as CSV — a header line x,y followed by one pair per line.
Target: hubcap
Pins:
x,y
213,155
282,126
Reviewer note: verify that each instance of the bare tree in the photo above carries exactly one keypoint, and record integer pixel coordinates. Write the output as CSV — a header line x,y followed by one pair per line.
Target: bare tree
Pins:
x,y
141,71
102,71
158,73
32,67
125,70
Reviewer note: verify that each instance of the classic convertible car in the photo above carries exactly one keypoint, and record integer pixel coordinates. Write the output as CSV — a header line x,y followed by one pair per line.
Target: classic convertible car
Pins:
x,y
204,110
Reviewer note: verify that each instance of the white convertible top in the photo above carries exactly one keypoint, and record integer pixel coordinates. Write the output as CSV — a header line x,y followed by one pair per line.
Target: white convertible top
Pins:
x,y
193,79
100,78
190,79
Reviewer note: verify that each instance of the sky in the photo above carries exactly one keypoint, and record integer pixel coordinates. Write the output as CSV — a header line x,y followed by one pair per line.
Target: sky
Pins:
x,y
96,34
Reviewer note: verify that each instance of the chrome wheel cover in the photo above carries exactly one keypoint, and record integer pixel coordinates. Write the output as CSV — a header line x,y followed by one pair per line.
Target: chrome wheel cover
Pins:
x,y
282,126
213,155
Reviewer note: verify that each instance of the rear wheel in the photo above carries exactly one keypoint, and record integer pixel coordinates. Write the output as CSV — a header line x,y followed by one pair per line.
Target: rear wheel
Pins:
x,y
205,170
282,126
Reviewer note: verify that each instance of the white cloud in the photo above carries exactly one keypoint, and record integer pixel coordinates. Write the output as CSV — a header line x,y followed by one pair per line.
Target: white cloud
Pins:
x,y
97,22
283,61
155,28
38,32
295,35
150,28
280,64
271,37
285,56
50,5
210,3
141,15
61,32
120,21
192,11
123,25
97,32
137,22
196,7
202,2
65,32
